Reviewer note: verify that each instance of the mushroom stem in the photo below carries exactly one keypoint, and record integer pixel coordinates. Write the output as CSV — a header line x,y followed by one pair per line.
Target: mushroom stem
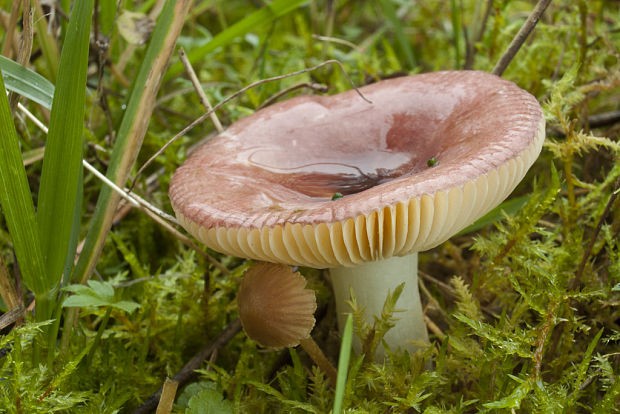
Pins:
x,y
319,358
371,283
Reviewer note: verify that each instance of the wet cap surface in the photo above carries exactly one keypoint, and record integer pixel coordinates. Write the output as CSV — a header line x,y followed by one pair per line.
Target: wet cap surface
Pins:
x,y
265,188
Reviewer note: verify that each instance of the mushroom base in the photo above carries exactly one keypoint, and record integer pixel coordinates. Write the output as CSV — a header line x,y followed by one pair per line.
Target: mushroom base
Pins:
x,y
371,283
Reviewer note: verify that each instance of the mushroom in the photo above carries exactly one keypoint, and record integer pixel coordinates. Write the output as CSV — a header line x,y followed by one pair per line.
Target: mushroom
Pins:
x,y
429,156
277,311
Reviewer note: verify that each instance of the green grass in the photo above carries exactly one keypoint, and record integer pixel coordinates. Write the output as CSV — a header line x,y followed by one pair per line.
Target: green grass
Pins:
x,y
524,303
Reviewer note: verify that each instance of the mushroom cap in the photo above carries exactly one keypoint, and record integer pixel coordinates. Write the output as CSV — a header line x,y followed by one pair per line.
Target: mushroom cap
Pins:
x,y
274,307
263,188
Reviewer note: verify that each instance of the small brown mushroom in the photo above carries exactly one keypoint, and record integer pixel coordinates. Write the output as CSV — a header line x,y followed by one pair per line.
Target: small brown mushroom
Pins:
x,y
335,182
277,311
275,308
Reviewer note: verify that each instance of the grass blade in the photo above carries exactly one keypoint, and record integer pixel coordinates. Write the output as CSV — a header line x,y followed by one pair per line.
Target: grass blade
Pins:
x,y
26,82
129,139
17,203
260,17
133,128
47,42
63,151
390,13
456,32
343,364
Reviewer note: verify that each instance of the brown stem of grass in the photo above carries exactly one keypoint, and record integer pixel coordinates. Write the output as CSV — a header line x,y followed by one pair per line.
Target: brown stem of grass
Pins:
x,y
7,47
7,288
201,93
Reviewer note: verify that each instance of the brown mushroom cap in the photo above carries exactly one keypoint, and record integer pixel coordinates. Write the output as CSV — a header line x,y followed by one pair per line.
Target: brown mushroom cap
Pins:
x,y
274,307
263,188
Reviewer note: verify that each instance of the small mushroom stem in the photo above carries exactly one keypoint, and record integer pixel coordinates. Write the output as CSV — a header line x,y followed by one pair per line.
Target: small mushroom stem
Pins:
x,y
371,283
319,358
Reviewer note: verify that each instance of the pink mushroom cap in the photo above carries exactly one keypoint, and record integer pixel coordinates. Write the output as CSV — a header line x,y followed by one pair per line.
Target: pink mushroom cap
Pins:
x,y
263,188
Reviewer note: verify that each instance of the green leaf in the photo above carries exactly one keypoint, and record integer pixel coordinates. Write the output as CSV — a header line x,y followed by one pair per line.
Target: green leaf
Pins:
x,y
390,14
84,300
583,369
343,364
96,294
63,151
515,398
207,402
260,17
26,82
131,131
126,305
101,289
16,202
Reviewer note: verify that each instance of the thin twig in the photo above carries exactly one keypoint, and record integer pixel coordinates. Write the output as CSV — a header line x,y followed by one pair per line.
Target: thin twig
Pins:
x,y
434,328
201,93
431,299
188,371
233,96
576,282
519,39
338,41
446,287
317,87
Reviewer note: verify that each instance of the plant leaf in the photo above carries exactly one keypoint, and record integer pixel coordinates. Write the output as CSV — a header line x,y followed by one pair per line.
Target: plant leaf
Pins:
x,y
208,401
63,151
265,15
515,398
101,289
26,82
132,130
84,300
16,202
343,364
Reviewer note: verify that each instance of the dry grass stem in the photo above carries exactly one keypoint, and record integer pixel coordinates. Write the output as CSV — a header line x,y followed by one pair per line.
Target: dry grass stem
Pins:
x,y
201,93
434,328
